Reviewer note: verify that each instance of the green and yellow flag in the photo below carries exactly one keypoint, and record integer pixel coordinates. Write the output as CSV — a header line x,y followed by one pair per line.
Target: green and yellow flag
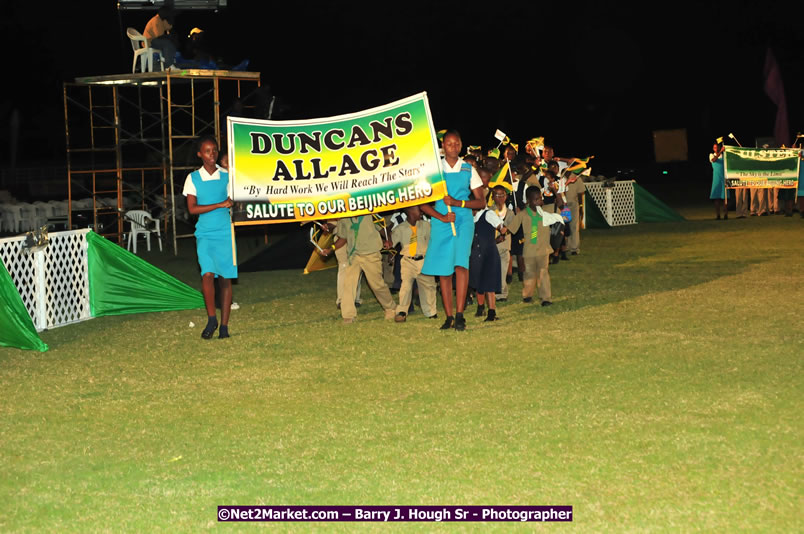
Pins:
x,y
579,165
535,144
503,177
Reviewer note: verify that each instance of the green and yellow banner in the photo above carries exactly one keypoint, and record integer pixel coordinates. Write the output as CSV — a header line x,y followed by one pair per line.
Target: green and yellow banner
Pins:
x,y
381,159
761,167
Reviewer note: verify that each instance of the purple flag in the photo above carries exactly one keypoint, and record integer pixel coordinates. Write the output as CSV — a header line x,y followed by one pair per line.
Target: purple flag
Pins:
x,y
775,91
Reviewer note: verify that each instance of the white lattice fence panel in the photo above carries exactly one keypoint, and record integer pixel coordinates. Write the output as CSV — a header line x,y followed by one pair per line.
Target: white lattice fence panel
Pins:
x,y
66,278
54,282
616,203
22,268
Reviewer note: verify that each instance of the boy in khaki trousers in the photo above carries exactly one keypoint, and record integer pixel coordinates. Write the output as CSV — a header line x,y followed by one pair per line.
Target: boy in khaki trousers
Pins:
x,y
414,235
363,245
536,225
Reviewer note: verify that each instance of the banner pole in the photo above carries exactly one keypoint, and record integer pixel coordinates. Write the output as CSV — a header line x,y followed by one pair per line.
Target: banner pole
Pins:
x,y
452,224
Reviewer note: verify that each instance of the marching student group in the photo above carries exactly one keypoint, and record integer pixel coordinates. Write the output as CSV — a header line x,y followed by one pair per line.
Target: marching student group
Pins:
x,y
499,214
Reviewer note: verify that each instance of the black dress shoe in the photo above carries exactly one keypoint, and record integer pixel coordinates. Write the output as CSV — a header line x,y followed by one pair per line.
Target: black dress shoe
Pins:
x,y
564,256
480,311
460,323
208,332
527,299
433,316
547,303
492,316
224,333
448,323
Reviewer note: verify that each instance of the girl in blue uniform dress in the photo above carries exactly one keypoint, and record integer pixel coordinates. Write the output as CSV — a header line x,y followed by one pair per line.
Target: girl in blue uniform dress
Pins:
x,y
718,193
207,192
448,253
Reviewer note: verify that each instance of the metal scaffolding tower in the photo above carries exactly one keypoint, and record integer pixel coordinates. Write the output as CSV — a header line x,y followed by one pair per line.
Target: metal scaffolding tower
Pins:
x,y
131,139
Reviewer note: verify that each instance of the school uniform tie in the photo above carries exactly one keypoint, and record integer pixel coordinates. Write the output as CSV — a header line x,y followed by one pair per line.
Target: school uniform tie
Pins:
x,y
535,219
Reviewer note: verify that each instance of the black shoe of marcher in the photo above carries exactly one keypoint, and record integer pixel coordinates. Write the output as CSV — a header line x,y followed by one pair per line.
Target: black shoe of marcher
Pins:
x,y
502,299
224,333
547,303
357,304
527,299
509,278
492,316
480,311
401,317
460,322
564,256
553,260
448,323
209,331
433,316
574,253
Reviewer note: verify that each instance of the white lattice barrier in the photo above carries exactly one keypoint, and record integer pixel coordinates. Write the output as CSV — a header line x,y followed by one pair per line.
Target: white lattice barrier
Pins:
x,y
54,282
615,203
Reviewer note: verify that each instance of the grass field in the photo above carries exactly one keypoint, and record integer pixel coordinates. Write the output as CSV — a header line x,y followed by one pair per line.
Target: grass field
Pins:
x,y
661,392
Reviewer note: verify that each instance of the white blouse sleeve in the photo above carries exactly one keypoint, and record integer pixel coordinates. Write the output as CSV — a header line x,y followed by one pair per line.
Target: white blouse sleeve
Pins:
x,y
189,187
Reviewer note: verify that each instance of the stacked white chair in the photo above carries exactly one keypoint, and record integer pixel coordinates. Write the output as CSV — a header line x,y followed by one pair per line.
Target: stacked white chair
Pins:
x,y
142,223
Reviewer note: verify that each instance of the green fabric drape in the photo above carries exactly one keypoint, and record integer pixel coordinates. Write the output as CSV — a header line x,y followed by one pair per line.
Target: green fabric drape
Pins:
x,y
647,209
651,209
594,217
16,327
122,283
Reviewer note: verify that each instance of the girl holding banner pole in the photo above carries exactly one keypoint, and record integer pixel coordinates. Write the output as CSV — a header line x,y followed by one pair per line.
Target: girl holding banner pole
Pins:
x,y
448,251
208,196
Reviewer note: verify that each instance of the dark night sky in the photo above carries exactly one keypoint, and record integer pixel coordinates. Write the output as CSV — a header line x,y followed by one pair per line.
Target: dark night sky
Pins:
x,y
593,77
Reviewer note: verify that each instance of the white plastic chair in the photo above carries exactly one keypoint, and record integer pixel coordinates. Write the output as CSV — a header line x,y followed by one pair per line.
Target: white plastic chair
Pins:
x,y
9,215
142,223
142,49
59,208
42,212
27,217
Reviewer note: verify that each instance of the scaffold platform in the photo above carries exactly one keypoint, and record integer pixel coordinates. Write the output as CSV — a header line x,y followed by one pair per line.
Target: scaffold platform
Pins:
x,y
131,139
